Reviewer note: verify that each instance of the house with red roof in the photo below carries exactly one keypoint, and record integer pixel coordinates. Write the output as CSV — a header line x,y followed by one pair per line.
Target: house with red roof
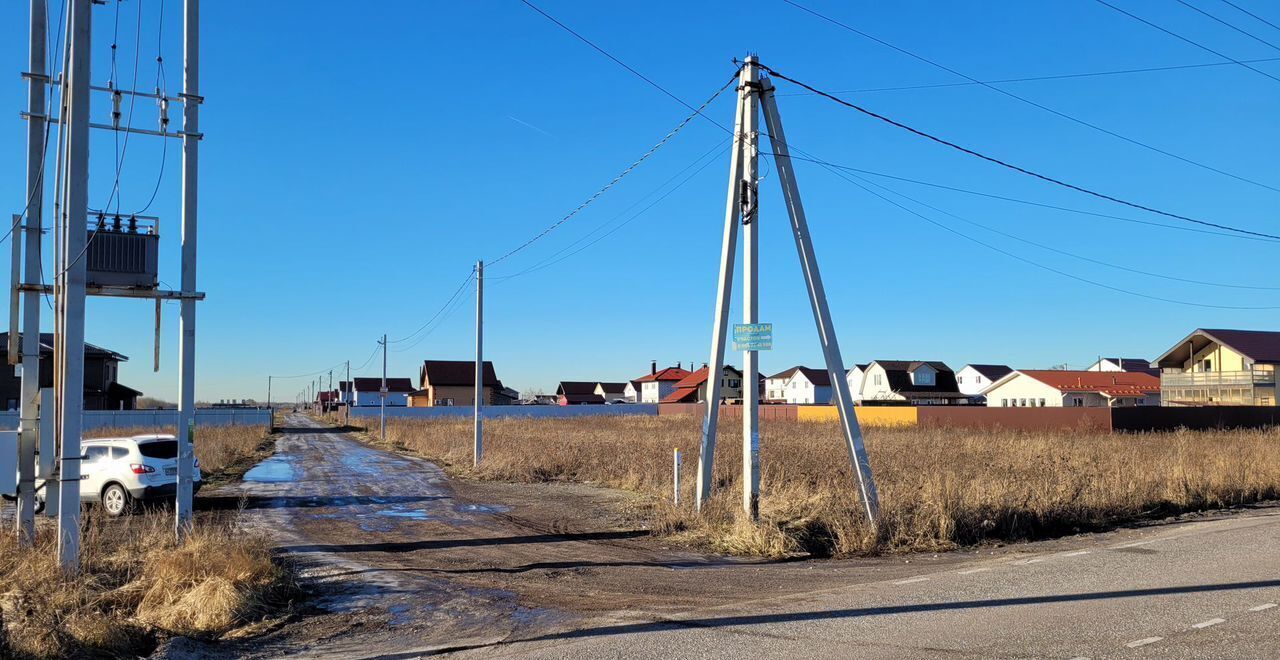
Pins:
x,y
694,387
1053,388
656,385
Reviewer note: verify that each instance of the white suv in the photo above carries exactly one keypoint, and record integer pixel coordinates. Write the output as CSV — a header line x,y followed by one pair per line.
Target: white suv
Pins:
x,y
116,472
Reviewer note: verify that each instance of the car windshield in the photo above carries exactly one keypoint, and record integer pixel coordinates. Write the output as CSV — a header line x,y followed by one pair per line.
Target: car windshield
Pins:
x,y
159,448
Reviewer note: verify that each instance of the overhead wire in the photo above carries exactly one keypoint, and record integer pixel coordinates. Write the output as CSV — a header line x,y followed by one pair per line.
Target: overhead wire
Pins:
x,y
1246,33
1187,40
161,90
1030,102
471,275
1011,166
1249,13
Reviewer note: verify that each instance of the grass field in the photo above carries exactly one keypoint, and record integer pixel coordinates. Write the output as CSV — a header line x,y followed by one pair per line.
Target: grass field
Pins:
x,y
138,584
939,489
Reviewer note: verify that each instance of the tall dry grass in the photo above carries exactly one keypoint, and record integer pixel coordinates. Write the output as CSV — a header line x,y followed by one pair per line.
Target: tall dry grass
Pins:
x,y
939,488
137,584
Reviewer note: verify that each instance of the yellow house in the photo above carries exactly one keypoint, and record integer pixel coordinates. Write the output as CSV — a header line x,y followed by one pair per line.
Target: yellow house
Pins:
x,y
1221,368
452,383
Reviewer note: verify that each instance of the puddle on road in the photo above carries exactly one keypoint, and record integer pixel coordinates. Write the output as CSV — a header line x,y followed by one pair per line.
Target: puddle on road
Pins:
x,y
413,515
482,508
277,469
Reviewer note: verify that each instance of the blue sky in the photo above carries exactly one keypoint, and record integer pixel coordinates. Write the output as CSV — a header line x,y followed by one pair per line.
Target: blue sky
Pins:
x,y
358,162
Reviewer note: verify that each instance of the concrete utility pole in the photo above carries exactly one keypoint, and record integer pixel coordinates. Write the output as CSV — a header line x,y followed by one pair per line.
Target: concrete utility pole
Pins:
x,y
29,428
72,280
750,291
755,95
478,450
187,320
382,393
268,392
728,254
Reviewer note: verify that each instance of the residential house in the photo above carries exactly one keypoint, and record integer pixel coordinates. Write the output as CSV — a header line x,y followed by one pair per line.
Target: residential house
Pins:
x,y
102,389
578,393
911,382
1056,388
345,396
973,378
1221,368
694,387
453,383
808,386
775,386
1134,365
365,391
854,377
659,383
612,392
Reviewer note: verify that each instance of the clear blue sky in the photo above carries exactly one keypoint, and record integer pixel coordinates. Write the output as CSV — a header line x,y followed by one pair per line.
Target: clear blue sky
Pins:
x,y
358,161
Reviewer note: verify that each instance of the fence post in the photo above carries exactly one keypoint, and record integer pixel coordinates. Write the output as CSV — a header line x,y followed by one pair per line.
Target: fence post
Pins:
x,y
675,478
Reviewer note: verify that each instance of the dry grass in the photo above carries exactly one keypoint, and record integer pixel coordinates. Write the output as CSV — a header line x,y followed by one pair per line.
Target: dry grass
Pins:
x,y
137,584
939,489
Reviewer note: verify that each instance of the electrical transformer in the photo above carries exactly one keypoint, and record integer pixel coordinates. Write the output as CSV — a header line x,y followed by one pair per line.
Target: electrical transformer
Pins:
x,y
123,253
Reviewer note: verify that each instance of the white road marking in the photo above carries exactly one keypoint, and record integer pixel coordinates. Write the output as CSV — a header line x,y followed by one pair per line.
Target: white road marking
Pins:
x,y
1143,642
974,570
1077,553
909,581
1264,606
1206,624
1132,545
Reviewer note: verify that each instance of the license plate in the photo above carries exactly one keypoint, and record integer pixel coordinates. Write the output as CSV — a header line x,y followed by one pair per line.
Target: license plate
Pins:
x,y
169,472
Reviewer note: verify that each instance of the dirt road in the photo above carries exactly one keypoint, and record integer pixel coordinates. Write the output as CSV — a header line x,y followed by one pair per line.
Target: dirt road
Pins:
x,y
408,562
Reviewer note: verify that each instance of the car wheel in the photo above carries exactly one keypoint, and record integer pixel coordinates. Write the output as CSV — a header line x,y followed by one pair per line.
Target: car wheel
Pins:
x,y
115,500
39,506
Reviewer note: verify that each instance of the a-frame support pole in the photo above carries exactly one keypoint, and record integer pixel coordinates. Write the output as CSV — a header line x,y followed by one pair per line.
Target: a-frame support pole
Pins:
x,y
728,254
750,288
818,300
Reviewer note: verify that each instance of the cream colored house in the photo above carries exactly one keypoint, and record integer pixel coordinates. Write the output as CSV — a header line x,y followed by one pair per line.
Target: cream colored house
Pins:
x,y
1221,368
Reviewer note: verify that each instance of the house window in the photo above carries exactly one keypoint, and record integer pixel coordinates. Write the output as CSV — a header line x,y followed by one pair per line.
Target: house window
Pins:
x,y
734,382
1041,403
960,379
1078,401
877,379
1022,403
924,377
1004,403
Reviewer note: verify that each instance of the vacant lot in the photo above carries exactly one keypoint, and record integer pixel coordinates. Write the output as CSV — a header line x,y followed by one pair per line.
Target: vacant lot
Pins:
x,y
939,489
138,584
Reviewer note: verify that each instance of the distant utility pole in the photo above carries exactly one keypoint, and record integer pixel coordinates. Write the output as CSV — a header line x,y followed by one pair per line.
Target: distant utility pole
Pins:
x,y
478,450
743,206
382,393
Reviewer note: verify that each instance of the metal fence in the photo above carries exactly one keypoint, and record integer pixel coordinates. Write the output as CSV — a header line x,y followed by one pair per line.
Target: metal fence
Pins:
x,y
499,412
96,419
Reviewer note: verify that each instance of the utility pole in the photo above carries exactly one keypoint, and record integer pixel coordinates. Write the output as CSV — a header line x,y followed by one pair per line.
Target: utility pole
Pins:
x,y
268,392
187,320
382,393
72,280
478,450
37,80
750,291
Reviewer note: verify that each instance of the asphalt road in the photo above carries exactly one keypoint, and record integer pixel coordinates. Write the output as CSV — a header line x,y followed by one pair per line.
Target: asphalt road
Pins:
x,y
410,563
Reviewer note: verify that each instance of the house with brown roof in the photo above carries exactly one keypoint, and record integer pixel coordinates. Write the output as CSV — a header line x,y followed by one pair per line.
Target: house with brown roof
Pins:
x,y
694,387
657,384
578,393
366,391
799,385
911,383
1221,368
1056,388
972,379
612,392
453,383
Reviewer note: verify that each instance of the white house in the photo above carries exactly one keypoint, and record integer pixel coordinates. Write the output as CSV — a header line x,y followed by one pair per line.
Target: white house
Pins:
x,y
973,378
366,391
612,392
911,382
807,386
775,386
854,378
1088,389
658,384
631,393
1136,365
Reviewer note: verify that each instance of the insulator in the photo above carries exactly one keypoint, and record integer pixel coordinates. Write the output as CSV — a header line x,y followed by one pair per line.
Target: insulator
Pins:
x,y
164,112
115,109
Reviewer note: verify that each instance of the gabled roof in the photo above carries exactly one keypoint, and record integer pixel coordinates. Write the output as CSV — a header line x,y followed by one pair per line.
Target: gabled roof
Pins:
x,y
992,372
1107,383
859,367
344,386
670,373
682,395
1257,345
700,376
46,347
786,374
1140,365
455,373
612,388
397,385
899,373
819,377
576,388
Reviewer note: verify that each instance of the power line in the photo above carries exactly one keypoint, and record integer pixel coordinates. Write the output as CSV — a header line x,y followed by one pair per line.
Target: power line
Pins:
x,y
1011,166
457,303
456,292
1028,101
1062,76
665,139
1246,33
1039,265
1246,11
1017,200
1182,38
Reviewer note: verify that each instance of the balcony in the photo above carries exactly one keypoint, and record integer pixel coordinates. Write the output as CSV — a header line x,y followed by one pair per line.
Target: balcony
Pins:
x,y
1218,378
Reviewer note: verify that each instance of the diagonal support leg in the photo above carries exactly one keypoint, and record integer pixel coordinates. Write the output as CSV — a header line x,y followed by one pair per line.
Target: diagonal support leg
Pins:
x,y
818,300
